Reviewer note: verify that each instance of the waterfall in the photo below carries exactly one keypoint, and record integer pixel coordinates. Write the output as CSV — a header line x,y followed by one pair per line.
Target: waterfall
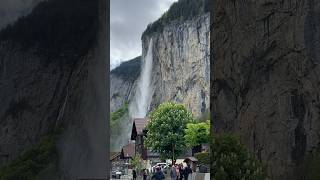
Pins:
x,y
142,100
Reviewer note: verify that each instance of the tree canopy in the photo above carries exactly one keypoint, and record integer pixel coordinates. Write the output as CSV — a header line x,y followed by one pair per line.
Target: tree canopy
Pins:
x,y
166,129
197,133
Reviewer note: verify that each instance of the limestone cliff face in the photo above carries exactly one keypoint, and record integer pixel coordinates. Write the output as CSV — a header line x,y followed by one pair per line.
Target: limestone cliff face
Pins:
x,y
266,79
181,67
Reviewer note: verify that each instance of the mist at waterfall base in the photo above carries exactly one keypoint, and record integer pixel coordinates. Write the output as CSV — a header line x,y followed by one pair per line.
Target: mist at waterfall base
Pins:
x,y
140,103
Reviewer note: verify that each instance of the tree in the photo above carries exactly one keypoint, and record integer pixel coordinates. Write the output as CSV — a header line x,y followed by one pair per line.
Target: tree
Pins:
x,y
197,133
136,162
166,130
231,160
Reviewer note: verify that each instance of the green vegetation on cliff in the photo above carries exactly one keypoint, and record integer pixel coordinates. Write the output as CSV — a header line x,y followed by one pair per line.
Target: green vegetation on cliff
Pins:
x,y
115,116
178,12
37,159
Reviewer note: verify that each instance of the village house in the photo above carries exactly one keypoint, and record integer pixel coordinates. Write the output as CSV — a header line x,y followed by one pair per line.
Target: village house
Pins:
x,y
138,131
127,152
115,160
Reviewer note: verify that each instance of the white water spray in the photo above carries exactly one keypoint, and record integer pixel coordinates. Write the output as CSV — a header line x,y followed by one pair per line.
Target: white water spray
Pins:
x,y
142,99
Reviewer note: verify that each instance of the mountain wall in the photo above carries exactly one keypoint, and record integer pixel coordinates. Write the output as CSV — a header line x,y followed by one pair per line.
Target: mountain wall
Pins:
x,y
180,73
266,79
52,79
181,67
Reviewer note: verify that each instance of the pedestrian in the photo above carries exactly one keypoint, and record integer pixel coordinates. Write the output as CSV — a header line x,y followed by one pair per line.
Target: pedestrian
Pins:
x,y
158,175
145,175
178,173
173,173
187,170
134,174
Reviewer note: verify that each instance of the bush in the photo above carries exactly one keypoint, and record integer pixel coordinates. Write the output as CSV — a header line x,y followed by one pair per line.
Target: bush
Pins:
x,y
231,160
203,158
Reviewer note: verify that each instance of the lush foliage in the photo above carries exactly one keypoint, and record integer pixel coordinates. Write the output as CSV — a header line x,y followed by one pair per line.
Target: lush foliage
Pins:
x,y
197,133
231,160
115,116
178,12
203,158
129,70
166,129
136,162
32,162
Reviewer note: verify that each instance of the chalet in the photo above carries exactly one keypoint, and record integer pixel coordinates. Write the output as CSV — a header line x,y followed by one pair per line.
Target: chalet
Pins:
x,y
138,131
115,160
127,152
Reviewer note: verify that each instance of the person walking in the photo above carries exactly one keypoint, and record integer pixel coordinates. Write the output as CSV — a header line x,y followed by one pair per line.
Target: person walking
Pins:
x,y
177,171
173,172
187,171
134,174
158,175
180,172
145,175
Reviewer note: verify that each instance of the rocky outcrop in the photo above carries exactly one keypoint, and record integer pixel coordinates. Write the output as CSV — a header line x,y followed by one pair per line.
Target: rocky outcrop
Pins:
x,y
266,79
181,68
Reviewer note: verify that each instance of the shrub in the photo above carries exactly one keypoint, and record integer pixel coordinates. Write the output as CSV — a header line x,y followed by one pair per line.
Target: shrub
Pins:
x,y
231,160
203,158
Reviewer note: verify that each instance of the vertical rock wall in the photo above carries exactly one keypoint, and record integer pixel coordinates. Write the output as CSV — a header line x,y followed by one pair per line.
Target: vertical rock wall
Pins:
x,y
266,83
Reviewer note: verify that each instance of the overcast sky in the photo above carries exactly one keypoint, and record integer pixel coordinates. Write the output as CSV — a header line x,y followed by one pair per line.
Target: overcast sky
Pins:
x,y
128,19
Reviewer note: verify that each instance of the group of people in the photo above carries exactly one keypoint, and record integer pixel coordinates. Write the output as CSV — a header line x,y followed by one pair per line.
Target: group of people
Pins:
x,y
177,172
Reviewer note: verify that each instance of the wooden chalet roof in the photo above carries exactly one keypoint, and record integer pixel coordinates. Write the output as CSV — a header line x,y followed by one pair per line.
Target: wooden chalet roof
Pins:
x,y
128,151
114,155
138,126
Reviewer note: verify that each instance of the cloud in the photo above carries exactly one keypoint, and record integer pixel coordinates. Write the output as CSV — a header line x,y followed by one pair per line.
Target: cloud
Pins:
x,y
128,19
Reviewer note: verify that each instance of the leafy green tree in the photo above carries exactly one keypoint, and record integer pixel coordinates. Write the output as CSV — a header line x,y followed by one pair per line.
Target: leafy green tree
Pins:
x,y
166,129
231,160
136,162
197,133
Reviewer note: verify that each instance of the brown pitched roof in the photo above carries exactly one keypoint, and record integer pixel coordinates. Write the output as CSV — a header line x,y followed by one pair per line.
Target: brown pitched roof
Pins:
x,y
114,155
140,124
137,128
128,150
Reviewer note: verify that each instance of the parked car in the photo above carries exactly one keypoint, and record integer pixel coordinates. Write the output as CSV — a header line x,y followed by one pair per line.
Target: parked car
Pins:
x,y
116,174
